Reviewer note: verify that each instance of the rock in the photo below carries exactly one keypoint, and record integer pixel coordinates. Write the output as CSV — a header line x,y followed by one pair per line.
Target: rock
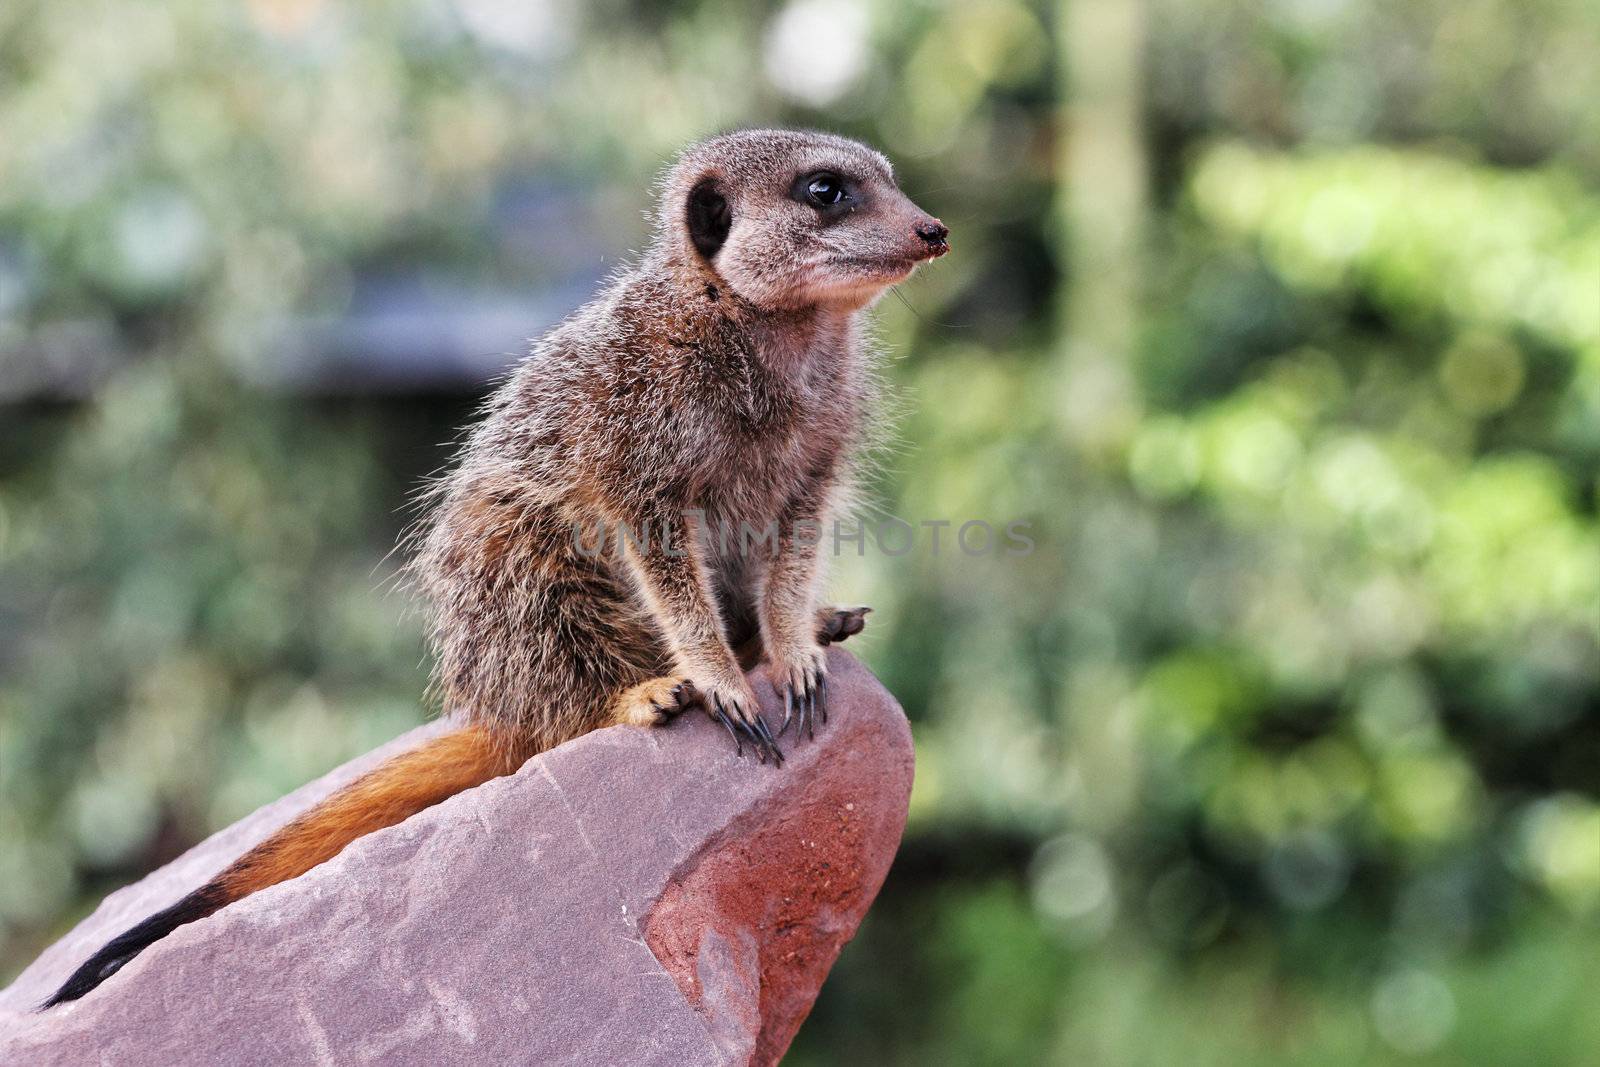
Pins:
x,y
634,896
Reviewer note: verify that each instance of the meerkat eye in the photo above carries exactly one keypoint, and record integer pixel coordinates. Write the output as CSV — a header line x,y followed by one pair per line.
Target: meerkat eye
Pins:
x,y
825,190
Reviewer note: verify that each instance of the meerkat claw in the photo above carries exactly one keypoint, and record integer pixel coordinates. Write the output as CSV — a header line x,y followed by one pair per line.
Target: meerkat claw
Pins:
x,y
772,743
755,741
805,699
808,712
741,730
742,726
753,729
768,741
788,710
727,724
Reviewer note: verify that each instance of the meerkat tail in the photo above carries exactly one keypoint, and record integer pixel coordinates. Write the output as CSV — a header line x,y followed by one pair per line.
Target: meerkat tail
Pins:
x,y
410,782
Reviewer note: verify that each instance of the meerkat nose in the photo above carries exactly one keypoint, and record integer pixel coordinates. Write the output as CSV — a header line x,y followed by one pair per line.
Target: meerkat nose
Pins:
x,y
935,235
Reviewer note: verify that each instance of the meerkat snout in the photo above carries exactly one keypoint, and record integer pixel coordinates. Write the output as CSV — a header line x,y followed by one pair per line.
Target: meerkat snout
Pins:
x,y
935,235
788,219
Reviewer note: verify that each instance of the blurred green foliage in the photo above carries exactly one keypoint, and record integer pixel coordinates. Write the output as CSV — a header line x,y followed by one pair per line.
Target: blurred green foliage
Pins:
x,y
1283,746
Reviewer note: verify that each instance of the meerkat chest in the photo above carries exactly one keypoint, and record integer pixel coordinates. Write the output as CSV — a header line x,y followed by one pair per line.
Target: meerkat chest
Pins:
x,y
756,482
783,442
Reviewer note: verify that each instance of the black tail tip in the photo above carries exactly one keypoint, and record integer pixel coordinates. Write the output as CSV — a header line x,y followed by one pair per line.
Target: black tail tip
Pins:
x,y
125,946
99,967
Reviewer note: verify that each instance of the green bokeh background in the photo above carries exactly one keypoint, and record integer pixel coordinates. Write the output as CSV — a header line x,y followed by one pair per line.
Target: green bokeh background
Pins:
x,y
1278,322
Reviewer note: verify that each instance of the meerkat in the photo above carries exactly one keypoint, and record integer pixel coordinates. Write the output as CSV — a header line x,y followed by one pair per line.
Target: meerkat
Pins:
x,y
587,561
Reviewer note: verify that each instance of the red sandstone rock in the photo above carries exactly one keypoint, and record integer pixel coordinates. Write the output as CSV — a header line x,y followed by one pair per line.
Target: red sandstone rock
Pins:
x,y
639,897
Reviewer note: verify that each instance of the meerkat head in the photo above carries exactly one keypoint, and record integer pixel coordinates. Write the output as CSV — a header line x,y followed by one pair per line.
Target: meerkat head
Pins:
x,y
789,219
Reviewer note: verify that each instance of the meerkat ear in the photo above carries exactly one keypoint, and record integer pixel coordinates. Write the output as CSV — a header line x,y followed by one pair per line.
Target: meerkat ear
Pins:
x,y
708,217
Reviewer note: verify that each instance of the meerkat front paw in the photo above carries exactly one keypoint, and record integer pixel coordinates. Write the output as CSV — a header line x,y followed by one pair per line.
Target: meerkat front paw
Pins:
x,y
734,706
654,702
836,624
801,678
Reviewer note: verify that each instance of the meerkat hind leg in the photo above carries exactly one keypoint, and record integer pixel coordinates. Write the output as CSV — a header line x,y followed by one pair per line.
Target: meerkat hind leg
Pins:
x,y
836,624
833,625
657,701
654,702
